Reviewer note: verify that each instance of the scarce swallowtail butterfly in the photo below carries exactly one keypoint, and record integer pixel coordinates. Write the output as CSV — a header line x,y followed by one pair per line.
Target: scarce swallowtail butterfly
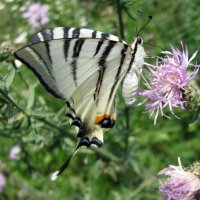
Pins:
x,y
84,68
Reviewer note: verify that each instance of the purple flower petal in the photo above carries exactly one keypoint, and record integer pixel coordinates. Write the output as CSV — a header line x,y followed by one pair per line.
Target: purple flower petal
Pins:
x,y
168,80
14,152
37,15
181,185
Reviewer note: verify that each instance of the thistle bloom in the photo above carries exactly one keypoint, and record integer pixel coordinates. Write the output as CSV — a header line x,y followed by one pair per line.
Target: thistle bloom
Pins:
x,y
2,181
14,152
181,184
37,15
168,81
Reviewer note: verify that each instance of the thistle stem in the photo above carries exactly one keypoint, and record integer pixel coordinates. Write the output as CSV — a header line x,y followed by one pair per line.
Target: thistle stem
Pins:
x,y
126,110
121,24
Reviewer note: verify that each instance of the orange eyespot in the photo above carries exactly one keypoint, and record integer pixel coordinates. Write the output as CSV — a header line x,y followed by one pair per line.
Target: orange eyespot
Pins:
x,y
99,118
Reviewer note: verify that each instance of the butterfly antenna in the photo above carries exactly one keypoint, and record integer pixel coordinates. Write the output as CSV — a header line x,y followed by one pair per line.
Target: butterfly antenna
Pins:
x,y
136,29
55,175
150,18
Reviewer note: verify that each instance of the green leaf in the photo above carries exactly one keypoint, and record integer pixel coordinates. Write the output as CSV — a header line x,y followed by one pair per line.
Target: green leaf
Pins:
x,y
31,97
195,117
4,56
42,113
10,113
9,78
3,100
25,122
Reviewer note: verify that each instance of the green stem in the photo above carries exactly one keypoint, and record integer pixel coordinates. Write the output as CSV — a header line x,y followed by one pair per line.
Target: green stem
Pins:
x,y
5,95
127,117
121,24
126,110
106,155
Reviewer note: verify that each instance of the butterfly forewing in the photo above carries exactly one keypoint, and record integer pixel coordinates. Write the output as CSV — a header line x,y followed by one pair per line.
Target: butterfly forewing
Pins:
x,y
69,32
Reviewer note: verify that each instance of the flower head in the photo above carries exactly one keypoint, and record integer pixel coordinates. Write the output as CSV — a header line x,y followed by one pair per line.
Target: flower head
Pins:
x,y
2,181
168,81
37,15
14,152
181,184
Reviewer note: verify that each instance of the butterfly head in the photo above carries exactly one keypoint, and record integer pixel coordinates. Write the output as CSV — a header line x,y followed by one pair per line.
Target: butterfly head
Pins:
x,y
139,40
138,54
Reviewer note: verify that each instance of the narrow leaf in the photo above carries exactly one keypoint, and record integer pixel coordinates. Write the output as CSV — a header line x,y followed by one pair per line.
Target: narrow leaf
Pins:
x,y
9,78
42,113
4,56
10,113
31,97
3,100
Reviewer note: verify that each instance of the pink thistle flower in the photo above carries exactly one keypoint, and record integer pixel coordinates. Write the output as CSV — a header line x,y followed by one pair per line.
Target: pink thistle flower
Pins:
x,y
14,152
2,181
37,15
181,184
168,81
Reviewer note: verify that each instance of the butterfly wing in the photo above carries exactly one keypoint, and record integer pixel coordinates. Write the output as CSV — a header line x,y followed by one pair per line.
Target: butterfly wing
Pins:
x,y
85,72
69,32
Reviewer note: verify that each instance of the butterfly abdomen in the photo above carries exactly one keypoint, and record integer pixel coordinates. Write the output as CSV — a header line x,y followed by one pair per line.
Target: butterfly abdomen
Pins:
x,y
130,88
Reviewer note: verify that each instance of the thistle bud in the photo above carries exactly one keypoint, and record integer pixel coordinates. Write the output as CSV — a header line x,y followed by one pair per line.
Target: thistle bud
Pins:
x,y
181,184
191,96
195,169
6,50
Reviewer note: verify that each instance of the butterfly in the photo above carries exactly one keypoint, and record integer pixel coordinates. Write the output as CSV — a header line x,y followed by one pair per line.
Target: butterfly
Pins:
x,y
84,68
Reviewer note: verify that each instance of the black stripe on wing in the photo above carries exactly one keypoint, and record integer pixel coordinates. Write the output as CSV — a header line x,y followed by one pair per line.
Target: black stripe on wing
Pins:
x,y
94,34
76,33
70,107
47,34
69,32
98,47
66,48
117,77
102,67
49,89
77,49
66,32
44,35
105,35
48,51
40,57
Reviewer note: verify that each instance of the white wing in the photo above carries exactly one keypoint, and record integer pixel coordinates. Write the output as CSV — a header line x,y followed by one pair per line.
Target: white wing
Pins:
x,y
69,32
85,73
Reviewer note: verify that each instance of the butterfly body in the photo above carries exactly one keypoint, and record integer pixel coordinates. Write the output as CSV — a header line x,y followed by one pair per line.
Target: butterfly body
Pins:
x,y
85,67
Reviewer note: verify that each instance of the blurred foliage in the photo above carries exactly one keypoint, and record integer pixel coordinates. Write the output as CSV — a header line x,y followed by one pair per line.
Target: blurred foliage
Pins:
x,y
134,150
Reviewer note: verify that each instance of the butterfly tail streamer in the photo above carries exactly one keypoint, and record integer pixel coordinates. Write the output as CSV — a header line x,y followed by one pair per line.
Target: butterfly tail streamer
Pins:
x,y
55,175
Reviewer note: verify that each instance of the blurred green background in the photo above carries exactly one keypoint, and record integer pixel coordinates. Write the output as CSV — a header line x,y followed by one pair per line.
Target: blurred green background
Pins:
x,y
134,150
